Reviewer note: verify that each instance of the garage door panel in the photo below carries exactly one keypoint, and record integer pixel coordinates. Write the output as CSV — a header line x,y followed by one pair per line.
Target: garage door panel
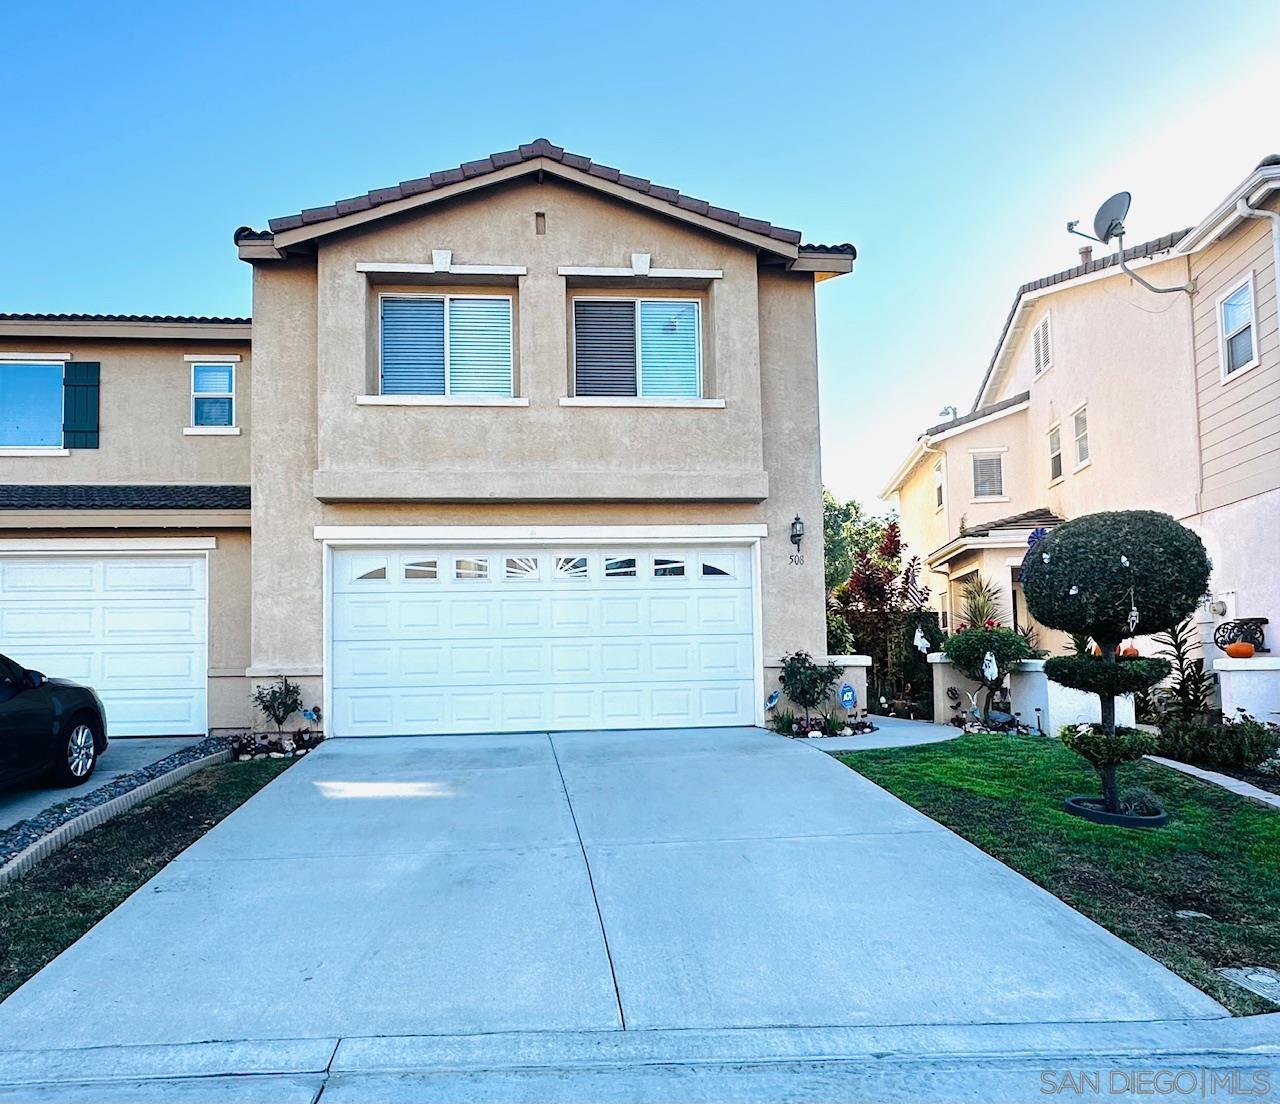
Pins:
x,y
547,639
132,627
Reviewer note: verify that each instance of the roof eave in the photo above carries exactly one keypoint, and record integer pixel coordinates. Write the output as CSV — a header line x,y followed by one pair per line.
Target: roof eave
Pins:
x,y
282,241
1224,218
918,452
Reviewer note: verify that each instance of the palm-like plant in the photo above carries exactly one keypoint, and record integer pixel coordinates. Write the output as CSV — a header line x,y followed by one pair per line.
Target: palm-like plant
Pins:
x,y
983,605
1190,686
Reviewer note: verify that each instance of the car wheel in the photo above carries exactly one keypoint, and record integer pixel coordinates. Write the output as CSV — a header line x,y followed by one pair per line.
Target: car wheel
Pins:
x,y
79,755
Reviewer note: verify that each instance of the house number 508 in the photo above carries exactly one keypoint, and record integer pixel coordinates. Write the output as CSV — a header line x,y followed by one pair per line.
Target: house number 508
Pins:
x,y
796,558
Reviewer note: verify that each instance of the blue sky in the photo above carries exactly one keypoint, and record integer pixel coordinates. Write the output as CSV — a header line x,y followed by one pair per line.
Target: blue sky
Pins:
x,y
950,142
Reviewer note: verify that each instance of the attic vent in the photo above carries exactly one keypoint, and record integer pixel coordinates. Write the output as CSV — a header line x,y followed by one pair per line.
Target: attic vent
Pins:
x,y
1043,353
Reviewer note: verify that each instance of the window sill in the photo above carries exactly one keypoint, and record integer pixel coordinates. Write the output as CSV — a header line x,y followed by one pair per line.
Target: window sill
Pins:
x,y
1081,466
642,401
211,431
439,400
989,498
34,450
1054,482
1231,377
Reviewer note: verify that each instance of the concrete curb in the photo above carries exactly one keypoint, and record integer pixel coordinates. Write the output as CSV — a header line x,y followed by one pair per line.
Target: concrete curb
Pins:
x,y
1240,789
36,852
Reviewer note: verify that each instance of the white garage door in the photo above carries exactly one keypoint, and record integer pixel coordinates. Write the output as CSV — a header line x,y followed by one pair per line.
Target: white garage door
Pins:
x,y
131,627
430,641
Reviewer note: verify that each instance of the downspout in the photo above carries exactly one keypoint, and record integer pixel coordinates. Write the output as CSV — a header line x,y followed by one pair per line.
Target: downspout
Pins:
x,y
1245,211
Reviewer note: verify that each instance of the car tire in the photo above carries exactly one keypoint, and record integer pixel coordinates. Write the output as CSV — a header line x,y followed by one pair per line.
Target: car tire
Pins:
x,y
77,754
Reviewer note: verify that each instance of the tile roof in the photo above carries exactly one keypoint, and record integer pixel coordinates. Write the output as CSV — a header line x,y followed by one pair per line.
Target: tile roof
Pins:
x,y
1028,519
123,496
1146,249
171,319
976,415
530,151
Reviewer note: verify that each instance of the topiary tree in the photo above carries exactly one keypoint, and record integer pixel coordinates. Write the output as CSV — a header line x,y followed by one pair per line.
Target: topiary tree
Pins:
x,y
969,651
278,701
1112,576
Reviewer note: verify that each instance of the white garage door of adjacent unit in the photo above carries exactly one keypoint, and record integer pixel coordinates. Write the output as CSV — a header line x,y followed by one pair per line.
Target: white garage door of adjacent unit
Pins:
x,y
131,627
431,641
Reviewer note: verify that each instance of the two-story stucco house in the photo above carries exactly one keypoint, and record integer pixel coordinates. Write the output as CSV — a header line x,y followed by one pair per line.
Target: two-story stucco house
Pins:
x,y
517,445
1103,395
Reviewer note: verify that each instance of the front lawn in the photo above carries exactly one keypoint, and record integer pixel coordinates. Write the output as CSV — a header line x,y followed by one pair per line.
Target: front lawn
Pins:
x,y
1219,855
44,912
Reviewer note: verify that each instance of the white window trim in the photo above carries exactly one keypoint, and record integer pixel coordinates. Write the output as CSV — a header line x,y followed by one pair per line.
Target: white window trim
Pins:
x,y
212,358
939,484
1223,336
468,399
210,431
195,363
630,400
1047,325
1080,465
1048,433
440,400
34,450
998,451
643,401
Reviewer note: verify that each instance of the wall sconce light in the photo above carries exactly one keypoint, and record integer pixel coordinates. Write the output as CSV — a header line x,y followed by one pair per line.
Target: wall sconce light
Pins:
x,y
797,532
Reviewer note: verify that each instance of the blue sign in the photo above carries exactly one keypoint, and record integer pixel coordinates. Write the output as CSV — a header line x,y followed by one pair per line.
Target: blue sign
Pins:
x,y
848,697
772,699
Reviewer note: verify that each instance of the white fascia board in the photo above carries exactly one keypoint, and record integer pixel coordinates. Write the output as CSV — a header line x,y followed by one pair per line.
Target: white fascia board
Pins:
x,y
987,419
397,268
1223,218
539,534
635,274
967,544
107,544
918,453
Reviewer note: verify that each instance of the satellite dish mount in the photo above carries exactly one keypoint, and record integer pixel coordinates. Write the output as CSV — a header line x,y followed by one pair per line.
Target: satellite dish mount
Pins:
x,y
1108,224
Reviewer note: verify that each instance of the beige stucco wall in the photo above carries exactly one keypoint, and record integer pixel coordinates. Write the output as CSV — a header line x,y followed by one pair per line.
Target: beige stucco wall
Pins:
x,y
313,325
144,402
923,525
1239,420
543,444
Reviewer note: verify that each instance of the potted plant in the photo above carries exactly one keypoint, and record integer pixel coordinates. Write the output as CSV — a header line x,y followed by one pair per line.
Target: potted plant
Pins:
x,y
1107,575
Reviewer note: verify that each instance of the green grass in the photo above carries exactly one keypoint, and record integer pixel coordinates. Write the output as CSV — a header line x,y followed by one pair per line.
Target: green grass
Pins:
x,y
44,912
1220,854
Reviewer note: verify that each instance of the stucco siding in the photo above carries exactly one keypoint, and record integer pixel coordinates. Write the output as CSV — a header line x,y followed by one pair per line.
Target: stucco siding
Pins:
x,y
1239,422
144,403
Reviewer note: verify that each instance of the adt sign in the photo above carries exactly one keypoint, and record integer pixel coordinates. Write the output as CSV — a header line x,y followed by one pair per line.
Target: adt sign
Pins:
x,y
848,697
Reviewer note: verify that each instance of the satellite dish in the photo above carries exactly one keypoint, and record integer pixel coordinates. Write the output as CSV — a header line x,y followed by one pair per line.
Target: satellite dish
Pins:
x,y
1109,221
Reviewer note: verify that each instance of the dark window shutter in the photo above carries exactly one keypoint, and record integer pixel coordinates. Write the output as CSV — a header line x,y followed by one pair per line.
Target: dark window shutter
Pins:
x,y
604,347
80,405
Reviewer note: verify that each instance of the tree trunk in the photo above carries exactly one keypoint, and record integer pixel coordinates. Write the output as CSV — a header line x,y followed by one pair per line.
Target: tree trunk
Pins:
x,y
1109,700
1110,794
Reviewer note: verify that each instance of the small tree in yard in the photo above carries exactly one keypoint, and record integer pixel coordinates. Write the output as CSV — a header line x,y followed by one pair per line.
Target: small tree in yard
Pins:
x,y
1108,575
807,683
986,655
279,701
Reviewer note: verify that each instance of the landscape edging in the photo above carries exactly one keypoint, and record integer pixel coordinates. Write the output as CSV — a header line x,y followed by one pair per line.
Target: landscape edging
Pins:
x,y
42,848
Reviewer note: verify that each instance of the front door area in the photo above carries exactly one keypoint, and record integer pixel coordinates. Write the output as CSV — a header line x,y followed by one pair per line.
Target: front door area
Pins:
x,y
443,640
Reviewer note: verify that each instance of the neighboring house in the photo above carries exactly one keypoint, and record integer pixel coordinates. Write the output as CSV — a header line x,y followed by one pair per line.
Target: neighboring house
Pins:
x,y
1103,395
523,449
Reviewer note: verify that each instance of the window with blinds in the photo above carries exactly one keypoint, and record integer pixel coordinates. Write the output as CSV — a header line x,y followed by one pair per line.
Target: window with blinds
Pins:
x,y
637,347
1080,422
1055,454
988,475
446,345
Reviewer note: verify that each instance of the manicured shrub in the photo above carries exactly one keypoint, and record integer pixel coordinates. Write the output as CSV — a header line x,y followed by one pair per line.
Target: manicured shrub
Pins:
x,y
1241,743
806,683
969,649
1105,751
1112,576
279,701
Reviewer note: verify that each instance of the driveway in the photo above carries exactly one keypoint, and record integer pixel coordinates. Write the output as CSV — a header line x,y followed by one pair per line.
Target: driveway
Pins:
x,y
121,757
573,886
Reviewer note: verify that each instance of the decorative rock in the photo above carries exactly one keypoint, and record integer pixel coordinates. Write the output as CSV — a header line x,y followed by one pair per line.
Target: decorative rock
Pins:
x,y
275,755
244,758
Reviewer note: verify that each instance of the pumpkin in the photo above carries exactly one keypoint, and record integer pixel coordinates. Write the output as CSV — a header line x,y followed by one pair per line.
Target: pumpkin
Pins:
x,y
1239,650
1130,652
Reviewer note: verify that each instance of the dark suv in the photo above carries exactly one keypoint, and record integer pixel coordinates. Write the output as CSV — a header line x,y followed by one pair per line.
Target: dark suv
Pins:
x,y
48,726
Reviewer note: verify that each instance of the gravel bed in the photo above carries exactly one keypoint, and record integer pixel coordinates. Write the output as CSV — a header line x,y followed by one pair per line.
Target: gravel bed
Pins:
x,y
21,835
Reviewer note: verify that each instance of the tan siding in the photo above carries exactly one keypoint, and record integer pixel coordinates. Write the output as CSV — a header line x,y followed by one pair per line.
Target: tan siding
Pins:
x,y
1239,418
